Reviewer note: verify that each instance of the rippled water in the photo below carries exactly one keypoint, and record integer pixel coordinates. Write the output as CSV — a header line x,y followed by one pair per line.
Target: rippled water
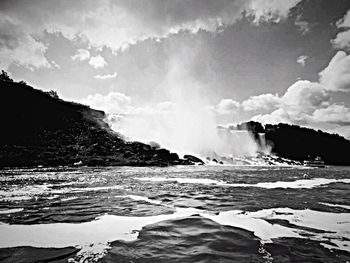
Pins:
x,y
175,214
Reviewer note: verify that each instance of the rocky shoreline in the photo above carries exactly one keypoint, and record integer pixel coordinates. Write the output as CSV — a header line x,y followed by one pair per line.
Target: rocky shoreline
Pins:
x,y
40,129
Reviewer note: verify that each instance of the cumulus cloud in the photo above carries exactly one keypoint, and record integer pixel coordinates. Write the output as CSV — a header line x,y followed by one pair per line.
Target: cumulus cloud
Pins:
x,y
278,116
309,104
113,102
226,106
336,76
298,103
334,114
97,61
106,76
261,102
305,96
302,60
81,55
342,40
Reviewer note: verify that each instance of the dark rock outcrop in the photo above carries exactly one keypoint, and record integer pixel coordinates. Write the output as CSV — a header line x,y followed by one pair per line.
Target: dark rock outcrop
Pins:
x,y
38,128
300,143
193,159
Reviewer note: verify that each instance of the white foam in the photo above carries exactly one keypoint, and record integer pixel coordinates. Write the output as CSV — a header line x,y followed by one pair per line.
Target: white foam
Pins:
x,y
143,198
179,180
108,228
10,211
335,225
32,191
261,228
97,188
336,205
23,193
69,198
303,183
93,237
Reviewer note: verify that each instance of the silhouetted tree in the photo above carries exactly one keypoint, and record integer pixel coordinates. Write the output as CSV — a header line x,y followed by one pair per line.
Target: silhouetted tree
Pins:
x,y
53,94
5,77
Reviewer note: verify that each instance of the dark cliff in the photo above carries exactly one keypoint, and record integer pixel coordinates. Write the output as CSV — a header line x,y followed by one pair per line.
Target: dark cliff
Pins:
x,y
38,128
300,143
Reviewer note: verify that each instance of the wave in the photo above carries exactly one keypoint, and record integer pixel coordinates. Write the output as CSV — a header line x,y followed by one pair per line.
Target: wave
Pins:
x,y
94,237
302,183
10,211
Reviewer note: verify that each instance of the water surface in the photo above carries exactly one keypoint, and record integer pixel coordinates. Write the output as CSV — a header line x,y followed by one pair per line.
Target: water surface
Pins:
x,y
175,214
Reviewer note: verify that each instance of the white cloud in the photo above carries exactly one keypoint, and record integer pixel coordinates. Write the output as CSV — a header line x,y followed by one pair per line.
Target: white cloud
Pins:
x,y
106,76
271,9
227,106
261,102
97,61
334,114
53,63
119,103
113,102
309,104
342,40
17,46
82,54
304,26
295,106
119,24
298,103
302,60
305,96
277,116
336,76
341,130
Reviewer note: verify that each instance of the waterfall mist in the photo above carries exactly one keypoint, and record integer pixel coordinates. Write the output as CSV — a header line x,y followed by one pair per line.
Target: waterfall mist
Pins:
x,y
185,124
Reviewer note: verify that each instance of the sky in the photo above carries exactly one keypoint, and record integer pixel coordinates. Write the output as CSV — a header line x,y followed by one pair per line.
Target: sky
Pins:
x,y
266,60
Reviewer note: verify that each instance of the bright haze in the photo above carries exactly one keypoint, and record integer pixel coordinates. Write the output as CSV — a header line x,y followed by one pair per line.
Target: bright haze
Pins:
x,y
172,70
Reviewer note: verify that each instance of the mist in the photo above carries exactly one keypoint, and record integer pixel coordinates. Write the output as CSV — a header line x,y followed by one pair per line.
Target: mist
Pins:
x,y
184,124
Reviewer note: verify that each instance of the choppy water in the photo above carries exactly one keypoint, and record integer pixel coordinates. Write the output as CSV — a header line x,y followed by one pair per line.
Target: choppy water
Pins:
x,y
176,214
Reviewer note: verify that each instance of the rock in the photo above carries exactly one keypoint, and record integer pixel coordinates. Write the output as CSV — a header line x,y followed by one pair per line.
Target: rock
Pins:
x,y
154,145
54,132
80,163
193,159
162,153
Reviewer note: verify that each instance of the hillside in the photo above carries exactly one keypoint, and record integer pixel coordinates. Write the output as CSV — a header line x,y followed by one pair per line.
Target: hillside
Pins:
x,y
300,143
38,128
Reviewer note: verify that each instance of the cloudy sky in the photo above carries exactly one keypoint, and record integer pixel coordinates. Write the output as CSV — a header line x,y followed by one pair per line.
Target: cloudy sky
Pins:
x,y
267,60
